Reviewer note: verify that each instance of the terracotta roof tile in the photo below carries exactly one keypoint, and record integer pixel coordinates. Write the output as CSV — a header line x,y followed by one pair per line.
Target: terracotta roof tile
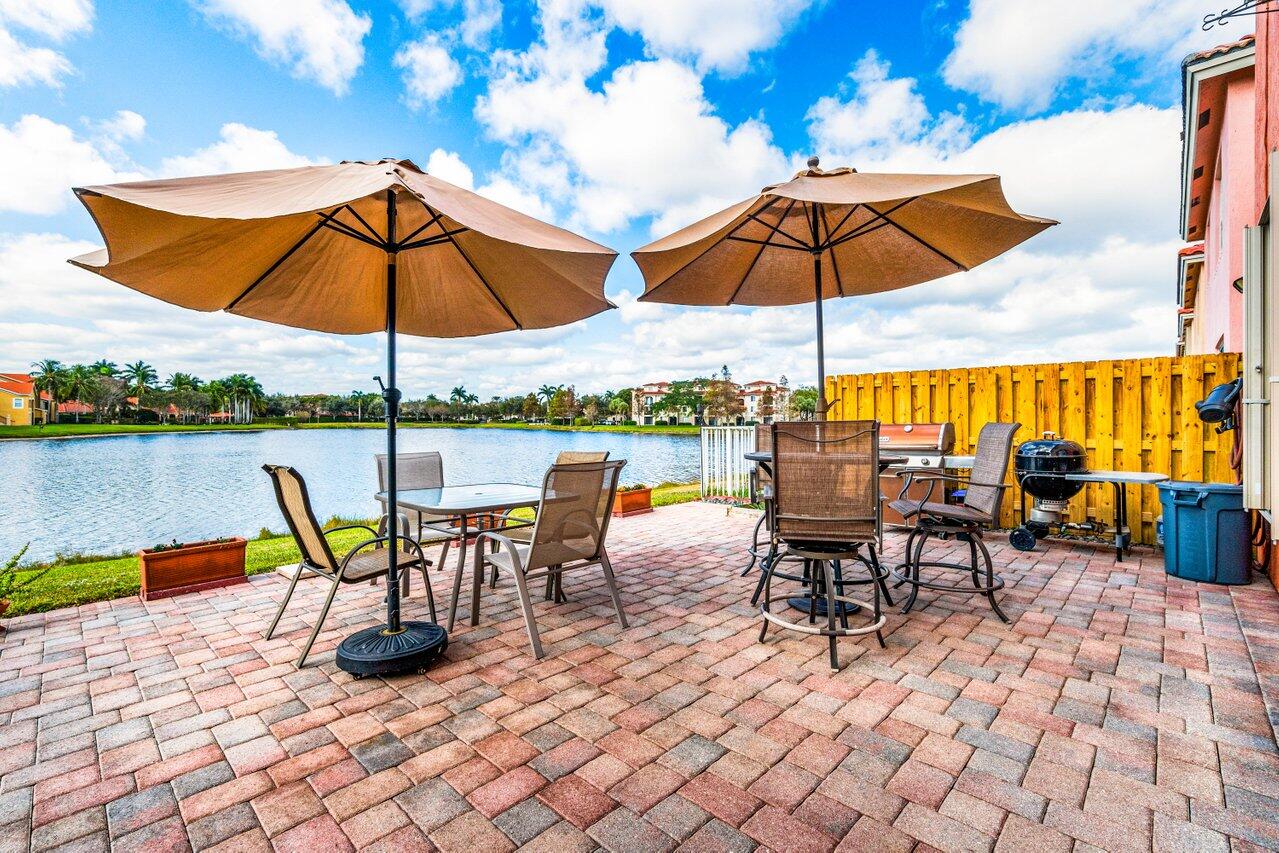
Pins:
x,y
1246,41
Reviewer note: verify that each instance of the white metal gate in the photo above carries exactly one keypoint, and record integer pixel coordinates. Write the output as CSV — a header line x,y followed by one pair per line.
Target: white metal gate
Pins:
x,y
725,471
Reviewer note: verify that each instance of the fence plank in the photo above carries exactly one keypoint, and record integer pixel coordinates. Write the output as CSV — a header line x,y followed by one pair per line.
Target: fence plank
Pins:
x,y
1133,414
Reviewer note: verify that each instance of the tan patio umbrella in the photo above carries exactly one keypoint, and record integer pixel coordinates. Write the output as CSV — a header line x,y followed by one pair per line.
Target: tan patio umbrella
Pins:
x,y
353,248
875,232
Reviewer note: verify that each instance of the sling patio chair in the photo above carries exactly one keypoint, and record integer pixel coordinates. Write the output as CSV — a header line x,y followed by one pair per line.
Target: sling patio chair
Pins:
x,y
826,512
984,491
357,566
568,534
519,527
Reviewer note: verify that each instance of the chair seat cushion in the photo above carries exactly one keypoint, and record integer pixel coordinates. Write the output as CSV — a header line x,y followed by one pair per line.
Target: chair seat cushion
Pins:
x,y
373,563
953,512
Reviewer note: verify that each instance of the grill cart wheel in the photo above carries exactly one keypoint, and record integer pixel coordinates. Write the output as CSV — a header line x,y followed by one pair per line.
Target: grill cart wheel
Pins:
x,y
1023,539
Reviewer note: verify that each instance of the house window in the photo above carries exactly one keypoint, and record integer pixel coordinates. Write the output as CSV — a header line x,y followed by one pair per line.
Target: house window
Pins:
x,y
19,403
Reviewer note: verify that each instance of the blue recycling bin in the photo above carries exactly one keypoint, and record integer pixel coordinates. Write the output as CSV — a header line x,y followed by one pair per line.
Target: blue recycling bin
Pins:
x,y
1206,535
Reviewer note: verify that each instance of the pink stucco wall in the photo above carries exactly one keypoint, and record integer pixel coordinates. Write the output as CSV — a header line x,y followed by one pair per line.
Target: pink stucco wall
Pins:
x,y
1219,307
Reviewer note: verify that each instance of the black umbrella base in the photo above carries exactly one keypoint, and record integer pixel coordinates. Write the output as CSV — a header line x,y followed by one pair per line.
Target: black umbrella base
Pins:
x,y
800,602
373,651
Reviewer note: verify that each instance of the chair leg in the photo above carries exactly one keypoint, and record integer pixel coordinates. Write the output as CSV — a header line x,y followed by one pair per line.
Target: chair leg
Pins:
x,y
766,582
839,589
877,588
430,594
810,571
324,614
912,571
765,566
754,546
831,606
972,554
880,575
292,585
457,587
611,583
910,542
521,586
990,580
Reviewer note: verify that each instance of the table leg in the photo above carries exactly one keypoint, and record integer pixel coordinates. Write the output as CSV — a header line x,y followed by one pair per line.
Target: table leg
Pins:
x,y
1121,520
461,568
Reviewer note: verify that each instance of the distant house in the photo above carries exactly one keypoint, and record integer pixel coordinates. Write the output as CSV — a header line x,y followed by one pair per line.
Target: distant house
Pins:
x,y
763,401
1218,185
19,403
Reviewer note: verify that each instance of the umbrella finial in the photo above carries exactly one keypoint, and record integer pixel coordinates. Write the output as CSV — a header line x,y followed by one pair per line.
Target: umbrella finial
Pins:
x,y
813,162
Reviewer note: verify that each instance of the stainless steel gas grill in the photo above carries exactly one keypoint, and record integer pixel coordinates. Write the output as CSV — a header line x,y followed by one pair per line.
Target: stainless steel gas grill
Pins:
x,y
925,448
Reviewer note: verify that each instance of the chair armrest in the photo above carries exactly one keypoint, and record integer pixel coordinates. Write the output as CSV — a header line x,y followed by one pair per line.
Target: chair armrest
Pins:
x,y
503,542
961,480
351,527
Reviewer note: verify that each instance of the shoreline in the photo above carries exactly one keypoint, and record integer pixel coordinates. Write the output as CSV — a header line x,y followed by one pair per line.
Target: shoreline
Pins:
x,y
60,432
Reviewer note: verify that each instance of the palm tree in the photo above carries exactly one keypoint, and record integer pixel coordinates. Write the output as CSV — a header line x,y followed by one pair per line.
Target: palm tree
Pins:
x,y
217,392
81,382
140,377
546,392
457,395
102,367
50,377
182,382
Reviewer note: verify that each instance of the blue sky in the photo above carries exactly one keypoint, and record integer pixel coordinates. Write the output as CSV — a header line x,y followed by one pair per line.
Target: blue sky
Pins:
x,y
620,119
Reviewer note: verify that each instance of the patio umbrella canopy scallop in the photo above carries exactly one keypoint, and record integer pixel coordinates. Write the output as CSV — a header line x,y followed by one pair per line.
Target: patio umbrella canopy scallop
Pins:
x,y
353,248
306,248
834,233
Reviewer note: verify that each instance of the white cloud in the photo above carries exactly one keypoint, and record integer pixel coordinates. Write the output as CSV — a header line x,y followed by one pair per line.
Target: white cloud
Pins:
x,y
881,116
480,18
713,34
430,72
320,40
22,63
1018,54
1100,172
649,143
125,125
449,166
239,149
40,160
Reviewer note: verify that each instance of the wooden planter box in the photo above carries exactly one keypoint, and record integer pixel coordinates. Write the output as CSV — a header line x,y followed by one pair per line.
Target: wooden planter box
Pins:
x,y
200,565
634,502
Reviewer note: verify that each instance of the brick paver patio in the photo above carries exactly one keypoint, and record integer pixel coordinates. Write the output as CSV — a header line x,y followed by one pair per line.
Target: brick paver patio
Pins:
x,y
1120,710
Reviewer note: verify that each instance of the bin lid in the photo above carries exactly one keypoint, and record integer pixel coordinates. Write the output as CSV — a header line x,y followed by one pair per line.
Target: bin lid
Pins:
x,y
1189,486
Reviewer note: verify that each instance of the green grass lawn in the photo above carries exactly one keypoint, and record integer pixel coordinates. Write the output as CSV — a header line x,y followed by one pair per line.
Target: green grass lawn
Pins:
x,y
64,430
80,580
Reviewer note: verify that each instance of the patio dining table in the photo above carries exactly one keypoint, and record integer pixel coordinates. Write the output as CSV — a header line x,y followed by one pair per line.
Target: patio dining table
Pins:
x,y
470,505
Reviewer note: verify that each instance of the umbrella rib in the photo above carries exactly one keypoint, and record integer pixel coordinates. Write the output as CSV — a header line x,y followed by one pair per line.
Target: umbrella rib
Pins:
x,y
777,229
418,230
839,284
867,226
347,231
921,241
372,232
484,281
433,240
768,243
703,252
280,260
831,234
759,254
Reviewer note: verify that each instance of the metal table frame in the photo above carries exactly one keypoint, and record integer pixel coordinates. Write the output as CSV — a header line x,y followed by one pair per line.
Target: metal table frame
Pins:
x,y
469,504
1118,479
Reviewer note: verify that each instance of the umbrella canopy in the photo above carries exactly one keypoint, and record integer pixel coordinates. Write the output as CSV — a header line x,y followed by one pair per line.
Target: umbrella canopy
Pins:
x,y
307,248
353,248
834,233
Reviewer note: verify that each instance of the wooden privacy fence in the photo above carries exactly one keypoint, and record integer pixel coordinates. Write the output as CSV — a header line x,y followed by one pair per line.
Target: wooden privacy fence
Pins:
x,y
1130,415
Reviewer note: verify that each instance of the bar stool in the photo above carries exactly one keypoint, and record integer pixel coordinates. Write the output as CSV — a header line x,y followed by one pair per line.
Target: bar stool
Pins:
x,y
984,491
826,515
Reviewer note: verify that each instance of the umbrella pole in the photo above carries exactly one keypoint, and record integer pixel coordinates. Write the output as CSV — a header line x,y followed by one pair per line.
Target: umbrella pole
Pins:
x,y
392,395
820,414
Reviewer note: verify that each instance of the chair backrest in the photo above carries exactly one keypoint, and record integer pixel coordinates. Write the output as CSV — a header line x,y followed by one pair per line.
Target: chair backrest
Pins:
x,y
413,470
990,464
295,504
573,515
826,481
576,457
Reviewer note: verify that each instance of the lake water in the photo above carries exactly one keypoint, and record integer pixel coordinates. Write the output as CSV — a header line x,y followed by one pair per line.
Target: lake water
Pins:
x,y
103,495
